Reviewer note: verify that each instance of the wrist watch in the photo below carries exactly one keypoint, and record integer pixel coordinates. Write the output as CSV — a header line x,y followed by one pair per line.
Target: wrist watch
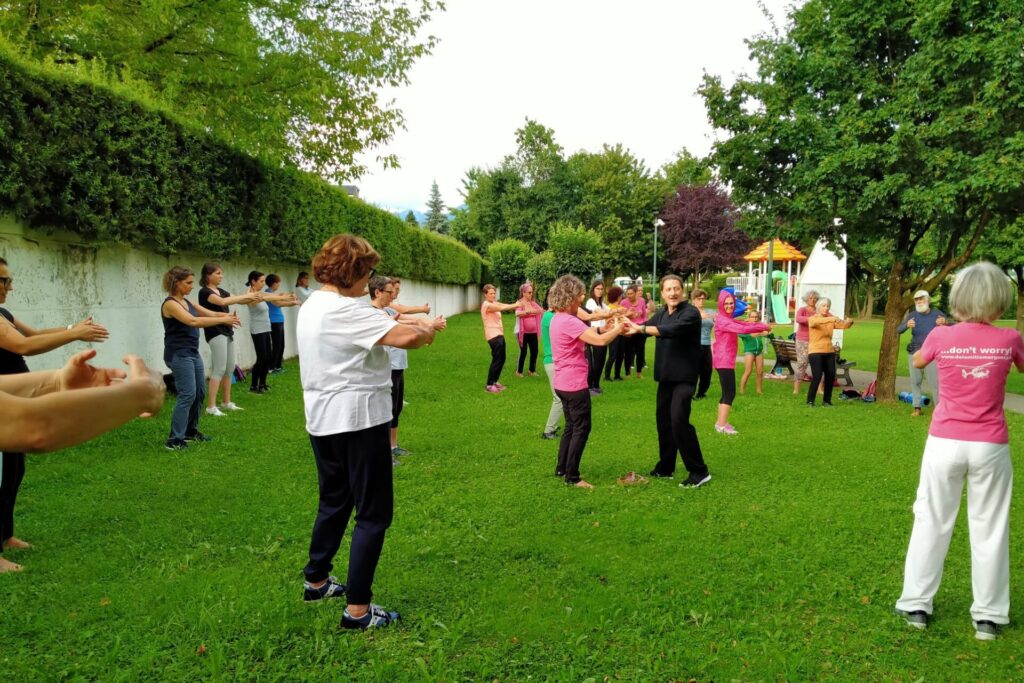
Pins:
x,y
70,325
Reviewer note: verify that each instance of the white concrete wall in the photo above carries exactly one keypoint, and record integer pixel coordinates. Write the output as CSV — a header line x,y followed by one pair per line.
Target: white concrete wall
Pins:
x,y
59,280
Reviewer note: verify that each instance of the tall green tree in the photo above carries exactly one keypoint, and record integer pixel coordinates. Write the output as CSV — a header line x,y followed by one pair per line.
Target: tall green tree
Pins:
x,y
437,214
410,218
577,250
617,198
1005,248
288,80
902,119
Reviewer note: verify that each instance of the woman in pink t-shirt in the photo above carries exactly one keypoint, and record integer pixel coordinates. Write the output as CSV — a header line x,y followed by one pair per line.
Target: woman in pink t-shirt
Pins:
x,y
637,313
494,332
528,330
967,440
569,336
723,352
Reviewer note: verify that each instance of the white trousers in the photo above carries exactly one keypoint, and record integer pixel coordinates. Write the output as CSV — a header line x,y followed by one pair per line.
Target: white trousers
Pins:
x,y
989,474
917,375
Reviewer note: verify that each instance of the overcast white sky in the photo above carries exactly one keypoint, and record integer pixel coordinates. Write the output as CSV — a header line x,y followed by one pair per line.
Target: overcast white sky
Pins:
x,y
595,71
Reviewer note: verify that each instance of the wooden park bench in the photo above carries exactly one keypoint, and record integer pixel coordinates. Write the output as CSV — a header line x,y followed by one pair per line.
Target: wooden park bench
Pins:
x,y
785,356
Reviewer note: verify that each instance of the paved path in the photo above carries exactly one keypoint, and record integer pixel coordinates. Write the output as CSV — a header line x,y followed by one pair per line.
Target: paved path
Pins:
x,y
861,378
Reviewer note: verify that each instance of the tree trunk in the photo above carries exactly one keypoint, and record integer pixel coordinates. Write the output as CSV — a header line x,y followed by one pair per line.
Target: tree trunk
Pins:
x,y
869,299
1019,270
885,389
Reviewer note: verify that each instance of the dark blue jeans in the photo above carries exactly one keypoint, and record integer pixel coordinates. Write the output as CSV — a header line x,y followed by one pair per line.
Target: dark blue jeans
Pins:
x,y
190,383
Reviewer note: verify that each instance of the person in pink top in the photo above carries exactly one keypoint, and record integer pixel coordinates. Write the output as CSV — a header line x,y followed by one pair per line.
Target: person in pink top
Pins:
x,y
967,440
528,330
636,308
494,332
803,338
723,353
569,336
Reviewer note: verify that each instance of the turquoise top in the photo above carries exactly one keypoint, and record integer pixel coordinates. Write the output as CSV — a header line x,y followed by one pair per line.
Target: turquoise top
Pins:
x,y
545,336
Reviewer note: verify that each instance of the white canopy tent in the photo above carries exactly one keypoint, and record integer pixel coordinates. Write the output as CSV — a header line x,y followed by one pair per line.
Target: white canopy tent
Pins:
x,y
825,273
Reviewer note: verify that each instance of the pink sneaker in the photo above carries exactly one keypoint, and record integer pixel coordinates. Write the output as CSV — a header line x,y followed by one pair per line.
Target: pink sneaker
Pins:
x,y
493,390
727,429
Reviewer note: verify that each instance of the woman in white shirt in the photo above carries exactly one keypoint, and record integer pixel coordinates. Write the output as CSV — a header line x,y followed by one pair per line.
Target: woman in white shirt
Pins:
x,y
595,311
346,386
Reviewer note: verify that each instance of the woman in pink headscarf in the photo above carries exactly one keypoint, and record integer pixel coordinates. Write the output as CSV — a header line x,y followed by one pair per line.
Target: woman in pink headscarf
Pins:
x,y
723,352
528,316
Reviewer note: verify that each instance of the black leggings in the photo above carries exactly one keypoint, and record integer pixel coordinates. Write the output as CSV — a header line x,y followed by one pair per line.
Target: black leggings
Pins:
x,y
727,378
261,342
704,382
529,342
276,345
616,354
675,433
822,364
576,405
497,345
633,352
354,471
595,363
13,472
397,396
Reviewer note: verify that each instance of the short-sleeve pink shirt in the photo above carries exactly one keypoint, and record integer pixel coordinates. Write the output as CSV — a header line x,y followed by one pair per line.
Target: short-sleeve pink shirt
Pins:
x,y
973,360
567,352
492,322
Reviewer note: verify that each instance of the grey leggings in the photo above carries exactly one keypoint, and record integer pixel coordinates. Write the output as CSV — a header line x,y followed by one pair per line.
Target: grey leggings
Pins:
x,y
222,356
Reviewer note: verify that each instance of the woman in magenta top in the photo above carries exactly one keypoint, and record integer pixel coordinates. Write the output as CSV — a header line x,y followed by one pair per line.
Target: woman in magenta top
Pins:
x,y
967,441
569,337
528,331
636,309
723,352
494,332
803,337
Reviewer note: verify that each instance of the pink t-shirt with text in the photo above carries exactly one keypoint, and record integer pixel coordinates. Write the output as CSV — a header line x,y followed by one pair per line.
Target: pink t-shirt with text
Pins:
x,y
973,360
567,352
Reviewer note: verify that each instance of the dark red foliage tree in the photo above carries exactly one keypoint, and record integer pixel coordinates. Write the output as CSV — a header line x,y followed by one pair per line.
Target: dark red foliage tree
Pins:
x,y
700,232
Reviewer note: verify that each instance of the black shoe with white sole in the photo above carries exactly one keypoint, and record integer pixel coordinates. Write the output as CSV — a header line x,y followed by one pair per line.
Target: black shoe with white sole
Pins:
x,y
695,481
330,589
376,617
917,618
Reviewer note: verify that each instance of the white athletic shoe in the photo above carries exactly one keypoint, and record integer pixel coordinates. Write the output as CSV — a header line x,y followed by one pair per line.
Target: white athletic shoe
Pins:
x,y
230,406
215,411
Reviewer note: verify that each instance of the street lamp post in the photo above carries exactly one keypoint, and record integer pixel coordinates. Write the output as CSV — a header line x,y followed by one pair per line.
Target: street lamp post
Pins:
x,y
654,263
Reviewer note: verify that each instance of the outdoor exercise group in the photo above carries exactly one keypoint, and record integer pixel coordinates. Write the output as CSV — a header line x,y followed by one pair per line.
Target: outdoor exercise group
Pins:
x,y
353,353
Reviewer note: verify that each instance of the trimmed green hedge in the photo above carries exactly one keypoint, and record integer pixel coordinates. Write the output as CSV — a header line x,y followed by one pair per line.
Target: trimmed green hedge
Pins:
x,y
78,157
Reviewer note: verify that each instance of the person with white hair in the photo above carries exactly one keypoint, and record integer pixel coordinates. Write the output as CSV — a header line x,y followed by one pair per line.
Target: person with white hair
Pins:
x,y
803,336
820,351
921,321
967,441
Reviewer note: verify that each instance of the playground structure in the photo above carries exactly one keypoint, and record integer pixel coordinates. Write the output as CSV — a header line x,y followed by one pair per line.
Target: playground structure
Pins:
x,y
755,284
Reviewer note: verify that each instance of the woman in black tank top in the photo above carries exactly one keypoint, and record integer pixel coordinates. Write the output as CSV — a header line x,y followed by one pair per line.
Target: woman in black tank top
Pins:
x,y
182,320
18,340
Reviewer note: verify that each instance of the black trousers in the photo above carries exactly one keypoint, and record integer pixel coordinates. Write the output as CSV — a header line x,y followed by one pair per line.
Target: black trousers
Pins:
x,y
595,365
616,354
675,433
497,345
354,471
13,473
529,343
397,396
727,378
823,365
576,405
262,344
633,352
704,381
276,345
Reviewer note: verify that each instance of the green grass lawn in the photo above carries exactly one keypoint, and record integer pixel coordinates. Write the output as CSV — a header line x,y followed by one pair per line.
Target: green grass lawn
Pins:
x,y
862,341
185,566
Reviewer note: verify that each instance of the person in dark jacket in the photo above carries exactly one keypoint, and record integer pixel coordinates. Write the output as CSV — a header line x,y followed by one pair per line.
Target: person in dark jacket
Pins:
x,y
921,321
677,361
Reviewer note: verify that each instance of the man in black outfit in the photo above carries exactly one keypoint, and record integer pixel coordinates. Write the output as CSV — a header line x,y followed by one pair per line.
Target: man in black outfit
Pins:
x,y
677,360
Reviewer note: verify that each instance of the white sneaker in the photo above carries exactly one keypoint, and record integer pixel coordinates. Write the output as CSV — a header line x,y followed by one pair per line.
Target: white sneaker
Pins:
x,y
214,411
230,406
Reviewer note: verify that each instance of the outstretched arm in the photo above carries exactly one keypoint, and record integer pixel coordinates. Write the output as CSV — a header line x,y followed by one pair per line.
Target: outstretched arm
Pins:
x,y
14,340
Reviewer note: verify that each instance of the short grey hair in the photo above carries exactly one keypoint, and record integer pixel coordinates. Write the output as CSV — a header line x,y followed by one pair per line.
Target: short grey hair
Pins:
x,y
811,293
823,300
566,290
980,293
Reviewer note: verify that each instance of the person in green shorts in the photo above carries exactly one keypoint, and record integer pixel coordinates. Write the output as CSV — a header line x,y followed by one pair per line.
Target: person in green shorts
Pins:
x,y
555,414
753,354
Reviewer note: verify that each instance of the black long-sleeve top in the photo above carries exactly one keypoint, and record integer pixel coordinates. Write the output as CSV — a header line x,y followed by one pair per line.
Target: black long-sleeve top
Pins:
x,y
677,352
